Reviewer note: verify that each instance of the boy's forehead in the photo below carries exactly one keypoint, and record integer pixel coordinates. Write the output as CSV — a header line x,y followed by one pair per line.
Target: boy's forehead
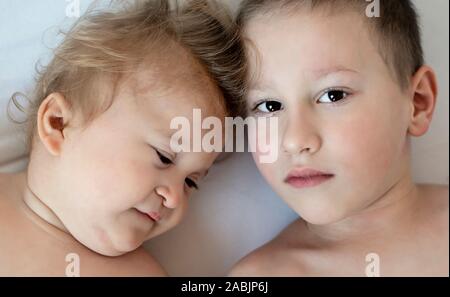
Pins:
x,y
315,43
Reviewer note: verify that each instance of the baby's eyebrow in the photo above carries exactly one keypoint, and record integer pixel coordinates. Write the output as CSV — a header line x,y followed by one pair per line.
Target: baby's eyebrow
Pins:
x,y
205,173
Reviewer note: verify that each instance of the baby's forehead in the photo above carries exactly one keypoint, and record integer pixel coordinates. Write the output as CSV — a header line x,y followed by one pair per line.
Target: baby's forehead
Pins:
x,y
173,81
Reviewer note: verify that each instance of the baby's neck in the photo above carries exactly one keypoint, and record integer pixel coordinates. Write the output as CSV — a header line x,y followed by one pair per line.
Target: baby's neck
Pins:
x,y
393,212
38,207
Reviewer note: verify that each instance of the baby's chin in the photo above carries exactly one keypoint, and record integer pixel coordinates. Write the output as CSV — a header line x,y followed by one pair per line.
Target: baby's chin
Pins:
x,y
119,249
114,244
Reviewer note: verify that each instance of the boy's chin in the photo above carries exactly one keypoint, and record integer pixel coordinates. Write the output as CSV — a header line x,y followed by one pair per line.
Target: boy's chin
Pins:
x,y
320,220
320,216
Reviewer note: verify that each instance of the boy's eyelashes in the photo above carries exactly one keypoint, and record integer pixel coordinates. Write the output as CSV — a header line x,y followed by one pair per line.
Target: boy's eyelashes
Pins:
x,y
267,106
333,95
329,96
166,161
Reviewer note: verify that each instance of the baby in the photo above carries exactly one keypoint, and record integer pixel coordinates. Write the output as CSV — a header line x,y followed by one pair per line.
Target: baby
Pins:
x,y
102,177
349,89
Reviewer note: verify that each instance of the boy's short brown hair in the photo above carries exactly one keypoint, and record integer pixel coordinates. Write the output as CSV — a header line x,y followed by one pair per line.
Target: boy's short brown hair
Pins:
x,y
108,42
396,28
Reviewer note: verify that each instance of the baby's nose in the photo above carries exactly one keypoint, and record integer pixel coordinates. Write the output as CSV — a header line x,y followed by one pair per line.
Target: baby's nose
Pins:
x,y
170,195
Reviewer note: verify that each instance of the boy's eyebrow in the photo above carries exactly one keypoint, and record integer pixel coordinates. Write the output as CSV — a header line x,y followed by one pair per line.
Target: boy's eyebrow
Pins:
x,y
258,86
327,71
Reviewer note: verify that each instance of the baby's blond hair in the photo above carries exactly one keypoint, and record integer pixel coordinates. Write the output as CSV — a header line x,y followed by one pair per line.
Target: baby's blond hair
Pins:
x,y
103,44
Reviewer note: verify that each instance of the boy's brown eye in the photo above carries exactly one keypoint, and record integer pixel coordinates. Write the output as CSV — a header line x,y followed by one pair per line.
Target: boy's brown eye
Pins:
x,y
268,106
332,96
336,95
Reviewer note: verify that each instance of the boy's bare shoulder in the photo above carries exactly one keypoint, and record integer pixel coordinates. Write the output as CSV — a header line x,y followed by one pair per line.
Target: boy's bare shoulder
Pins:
x,y
136,263
279,257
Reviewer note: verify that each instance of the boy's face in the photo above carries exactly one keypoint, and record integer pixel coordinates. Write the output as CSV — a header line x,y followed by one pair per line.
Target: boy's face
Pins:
x,y
340,112
121,181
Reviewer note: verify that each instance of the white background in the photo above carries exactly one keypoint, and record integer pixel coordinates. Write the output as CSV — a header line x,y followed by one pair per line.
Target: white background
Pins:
x,y
235,211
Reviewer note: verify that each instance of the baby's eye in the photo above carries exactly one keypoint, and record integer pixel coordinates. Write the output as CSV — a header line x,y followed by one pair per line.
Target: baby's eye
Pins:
x,y
268,106
332,96
190,183
164,159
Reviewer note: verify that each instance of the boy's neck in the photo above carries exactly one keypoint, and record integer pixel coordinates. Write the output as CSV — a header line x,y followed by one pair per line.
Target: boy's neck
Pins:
x,y
395,210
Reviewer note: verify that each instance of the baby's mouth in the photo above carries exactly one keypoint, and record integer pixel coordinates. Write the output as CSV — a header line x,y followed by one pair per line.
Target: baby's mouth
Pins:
x,y
155,216
152,215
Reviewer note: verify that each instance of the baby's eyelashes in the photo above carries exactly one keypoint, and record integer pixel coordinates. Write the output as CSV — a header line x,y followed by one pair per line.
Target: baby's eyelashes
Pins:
x,y
191,184
165,160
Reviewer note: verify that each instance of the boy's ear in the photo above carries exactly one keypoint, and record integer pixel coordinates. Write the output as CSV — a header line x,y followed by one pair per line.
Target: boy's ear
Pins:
x,y
53,115
423,94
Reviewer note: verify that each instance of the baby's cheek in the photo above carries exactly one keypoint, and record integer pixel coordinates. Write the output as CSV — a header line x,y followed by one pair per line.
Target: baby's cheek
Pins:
x,y
137,179
116,183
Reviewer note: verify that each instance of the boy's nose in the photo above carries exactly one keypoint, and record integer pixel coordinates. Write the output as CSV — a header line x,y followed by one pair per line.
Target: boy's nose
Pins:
x,y
171,195
300,137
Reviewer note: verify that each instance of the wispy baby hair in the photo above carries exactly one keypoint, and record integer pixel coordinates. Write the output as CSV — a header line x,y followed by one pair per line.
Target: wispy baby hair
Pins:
x,y
107,42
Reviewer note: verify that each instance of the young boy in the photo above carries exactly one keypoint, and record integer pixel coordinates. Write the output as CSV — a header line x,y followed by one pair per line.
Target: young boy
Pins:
x,y
102,177
349,91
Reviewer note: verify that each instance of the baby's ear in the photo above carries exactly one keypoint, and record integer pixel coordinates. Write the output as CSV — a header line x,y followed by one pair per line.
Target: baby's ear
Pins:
x,y
423,94
53,115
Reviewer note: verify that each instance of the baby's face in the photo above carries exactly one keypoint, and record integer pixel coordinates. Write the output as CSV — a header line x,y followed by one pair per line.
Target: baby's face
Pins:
x,y
122,183
340,112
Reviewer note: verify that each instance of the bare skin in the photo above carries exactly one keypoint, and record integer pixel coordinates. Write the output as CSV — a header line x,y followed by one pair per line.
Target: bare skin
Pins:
x,y
343,116
407,235
102,190
32,247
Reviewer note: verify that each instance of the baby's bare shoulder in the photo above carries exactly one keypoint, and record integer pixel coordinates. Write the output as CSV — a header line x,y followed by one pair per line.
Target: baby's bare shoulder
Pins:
x,y
136,263
4,186
279,257
9,193
10,185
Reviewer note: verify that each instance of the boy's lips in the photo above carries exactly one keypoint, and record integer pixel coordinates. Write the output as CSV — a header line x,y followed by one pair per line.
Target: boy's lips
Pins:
x,y
306,177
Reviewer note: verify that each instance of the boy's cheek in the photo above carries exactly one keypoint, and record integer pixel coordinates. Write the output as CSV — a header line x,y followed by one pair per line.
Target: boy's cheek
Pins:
x,y
268,170
367,149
